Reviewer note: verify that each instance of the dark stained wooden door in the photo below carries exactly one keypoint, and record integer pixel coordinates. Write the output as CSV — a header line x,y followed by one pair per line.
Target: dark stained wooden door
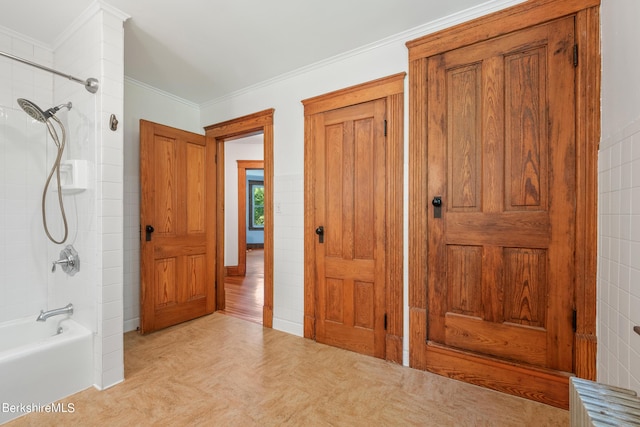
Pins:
x,y
501,155
350,206
177,259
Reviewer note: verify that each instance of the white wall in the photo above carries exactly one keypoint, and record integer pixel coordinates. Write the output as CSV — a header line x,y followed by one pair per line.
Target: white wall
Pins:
x,y
285,94
249,148
619,197
143,102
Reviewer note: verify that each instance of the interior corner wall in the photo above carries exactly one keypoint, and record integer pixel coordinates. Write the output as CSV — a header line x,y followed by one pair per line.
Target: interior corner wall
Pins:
x,y
144,102
619,197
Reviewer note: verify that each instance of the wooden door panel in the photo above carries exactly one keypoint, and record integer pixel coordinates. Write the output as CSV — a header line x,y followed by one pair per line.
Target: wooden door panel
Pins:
x,y
165,180
525,344
502,156
196,188
177,279
349,164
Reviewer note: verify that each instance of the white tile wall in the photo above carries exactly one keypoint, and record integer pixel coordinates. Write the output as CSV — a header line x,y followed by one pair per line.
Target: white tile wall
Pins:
x,y
24,163
288,253
93,48
619,259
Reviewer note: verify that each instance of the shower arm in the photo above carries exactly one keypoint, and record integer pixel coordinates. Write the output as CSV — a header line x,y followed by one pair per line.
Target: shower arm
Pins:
x,y
90,84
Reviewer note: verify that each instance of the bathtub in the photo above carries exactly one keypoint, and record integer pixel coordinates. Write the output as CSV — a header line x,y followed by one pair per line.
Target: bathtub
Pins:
x,y
41,362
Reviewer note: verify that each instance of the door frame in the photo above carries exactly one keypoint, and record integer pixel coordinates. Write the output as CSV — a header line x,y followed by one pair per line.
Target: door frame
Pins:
x,y
260,122
243,165
392,89
527,14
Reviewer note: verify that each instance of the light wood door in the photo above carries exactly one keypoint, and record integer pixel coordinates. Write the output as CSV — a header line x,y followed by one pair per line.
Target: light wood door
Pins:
x,y
502,158
350,216
177,170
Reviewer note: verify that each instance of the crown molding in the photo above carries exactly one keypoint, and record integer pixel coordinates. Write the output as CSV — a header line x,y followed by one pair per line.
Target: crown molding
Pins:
x,y
403,37
160,92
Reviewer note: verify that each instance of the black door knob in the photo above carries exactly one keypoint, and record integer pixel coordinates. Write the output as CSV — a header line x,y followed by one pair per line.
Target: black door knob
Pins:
x,y
437,207
148,229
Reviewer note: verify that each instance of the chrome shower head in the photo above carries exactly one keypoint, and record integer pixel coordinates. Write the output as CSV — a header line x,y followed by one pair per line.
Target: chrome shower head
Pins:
x,y
36,112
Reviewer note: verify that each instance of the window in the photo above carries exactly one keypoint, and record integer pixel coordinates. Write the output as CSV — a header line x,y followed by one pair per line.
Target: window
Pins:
x,y
256,205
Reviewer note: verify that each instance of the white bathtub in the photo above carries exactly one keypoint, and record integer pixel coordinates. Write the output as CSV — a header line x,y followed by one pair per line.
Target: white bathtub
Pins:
x,y
38,365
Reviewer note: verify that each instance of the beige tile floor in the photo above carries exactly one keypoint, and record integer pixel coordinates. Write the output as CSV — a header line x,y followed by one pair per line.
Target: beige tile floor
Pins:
x,y
220,370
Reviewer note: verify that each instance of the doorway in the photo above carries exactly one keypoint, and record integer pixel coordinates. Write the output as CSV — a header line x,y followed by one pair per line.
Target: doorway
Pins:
x,y
253,124
353,226
502,184
244,227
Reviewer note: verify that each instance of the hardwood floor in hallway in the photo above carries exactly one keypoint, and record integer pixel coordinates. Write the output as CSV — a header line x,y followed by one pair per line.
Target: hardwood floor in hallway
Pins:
x,y
244,295
221,371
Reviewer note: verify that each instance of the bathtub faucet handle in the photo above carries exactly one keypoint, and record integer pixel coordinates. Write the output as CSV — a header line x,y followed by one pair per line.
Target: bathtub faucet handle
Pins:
x,y
69,260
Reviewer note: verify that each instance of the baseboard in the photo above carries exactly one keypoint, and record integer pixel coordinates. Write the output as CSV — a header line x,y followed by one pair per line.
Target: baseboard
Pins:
x,y
131,325
255,246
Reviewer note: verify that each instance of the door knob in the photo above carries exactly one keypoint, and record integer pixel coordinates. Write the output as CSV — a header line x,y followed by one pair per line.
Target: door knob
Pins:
x,y
149,229
437,207
320,233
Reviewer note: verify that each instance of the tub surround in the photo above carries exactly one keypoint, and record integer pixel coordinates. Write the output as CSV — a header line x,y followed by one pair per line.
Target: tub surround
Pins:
x,y
41,362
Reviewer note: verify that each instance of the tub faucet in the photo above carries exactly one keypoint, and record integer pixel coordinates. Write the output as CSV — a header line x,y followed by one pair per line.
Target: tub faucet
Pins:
x,y
44,315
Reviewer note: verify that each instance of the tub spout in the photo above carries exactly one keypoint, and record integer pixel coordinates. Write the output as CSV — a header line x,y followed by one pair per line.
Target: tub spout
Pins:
x,y
44,315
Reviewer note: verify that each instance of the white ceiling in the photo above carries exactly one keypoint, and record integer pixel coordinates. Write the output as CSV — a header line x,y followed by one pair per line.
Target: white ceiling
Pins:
x,y
200,50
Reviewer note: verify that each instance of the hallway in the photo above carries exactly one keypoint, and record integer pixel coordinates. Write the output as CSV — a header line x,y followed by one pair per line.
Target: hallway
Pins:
x,y
244,295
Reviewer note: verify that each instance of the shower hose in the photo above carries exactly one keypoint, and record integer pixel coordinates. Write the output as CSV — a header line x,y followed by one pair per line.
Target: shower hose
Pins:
x,y
56,169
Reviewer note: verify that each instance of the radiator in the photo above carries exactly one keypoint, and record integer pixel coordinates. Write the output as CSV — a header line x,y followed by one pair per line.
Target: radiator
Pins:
x,y
595,404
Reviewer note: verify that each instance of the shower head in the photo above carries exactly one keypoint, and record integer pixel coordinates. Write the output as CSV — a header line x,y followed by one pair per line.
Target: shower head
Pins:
x,y
36,112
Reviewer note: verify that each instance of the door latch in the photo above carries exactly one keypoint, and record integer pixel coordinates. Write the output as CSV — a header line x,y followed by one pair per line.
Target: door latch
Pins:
x,y
320,233
437,207
148,230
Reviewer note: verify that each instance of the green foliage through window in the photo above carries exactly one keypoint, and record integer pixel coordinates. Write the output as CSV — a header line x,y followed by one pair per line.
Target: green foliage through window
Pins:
x,y
256,205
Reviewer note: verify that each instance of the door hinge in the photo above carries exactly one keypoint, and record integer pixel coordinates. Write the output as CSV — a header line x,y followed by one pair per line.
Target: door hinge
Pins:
x,y
575,55
574,320
385,128
385,321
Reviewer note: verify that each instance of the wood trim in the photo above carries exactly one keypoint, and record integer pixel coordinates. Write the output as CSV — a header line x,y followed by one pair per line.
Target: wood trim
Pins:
x,y
309,323
394,221
261,121
391,88
376,89
530,13
588,134
243,165
233,270
242,126
498,376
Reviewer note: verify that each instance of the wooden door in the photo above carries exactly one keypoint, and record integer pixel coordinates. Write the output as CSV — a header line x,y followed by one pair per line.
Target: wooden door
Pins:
x,y
350,216
502,158
177,170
